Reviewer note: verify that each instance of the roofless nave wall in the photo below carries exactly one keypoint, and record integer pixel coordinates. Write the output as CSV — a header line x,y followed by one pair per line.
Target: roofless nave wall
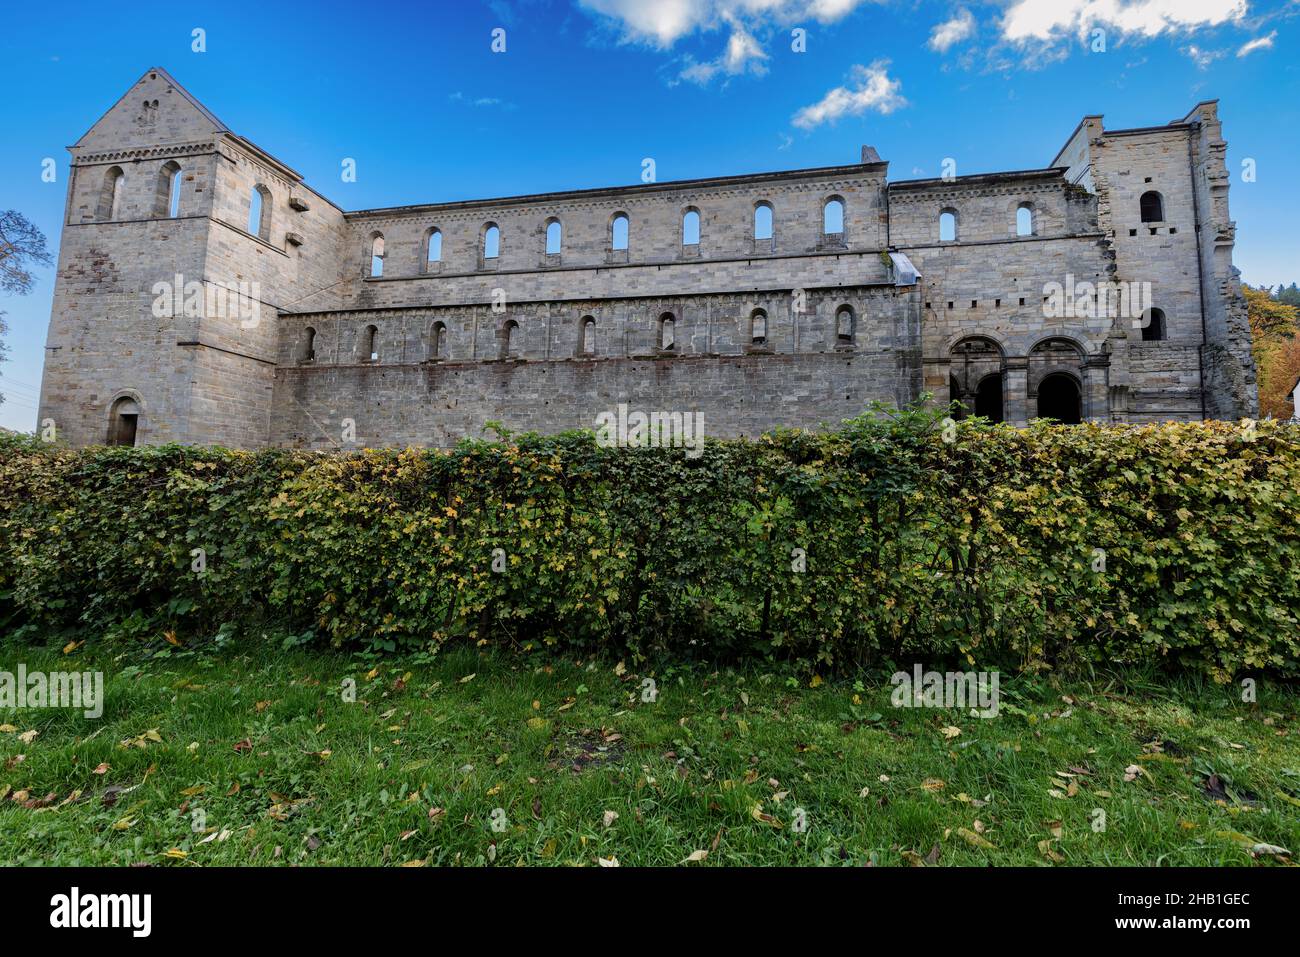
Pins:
x,y
788,298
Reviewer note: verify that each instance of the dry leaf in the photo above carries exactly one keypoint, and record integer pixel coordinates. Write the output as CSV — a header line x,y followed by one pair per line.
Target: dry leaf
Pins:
x,y
974,839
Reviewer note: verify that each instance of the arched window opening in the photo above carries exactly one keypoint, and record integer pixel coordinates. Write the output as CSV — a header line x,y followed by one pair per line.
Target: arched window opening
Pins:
x,y
691,227
1059,399
667,332
1152,206
308,353
948,226
432,248
509,339
376,254
587,342
758,327
169,190
438,341
491,241
833,217
988,397
1025,220
259,212
763,221
1153,325
123,419
110,200
554,237
845,324
619,230
371,344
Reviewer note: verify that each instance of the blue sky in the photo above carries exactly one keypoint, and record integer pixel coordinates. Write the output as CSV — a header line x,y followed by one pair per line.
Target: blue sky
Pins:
x,y
587,89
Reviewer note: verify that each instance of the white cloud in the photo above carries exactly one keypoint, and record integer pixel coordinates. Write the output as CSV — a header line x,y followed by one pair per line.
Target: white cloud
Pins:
x,y
1202,58
661,23
945,35
1028,20
743,55
1259,43
872,89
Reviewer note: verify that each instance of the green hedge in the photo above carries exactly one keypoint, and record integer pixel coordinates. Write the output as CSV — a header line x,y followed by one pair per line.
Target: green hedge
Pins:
x,y
987,548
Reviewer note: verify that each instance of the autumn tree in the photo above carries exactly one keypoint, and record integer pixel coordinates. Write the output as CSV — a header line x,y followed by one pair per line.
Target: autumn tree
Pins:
x,y
22,248
1274,326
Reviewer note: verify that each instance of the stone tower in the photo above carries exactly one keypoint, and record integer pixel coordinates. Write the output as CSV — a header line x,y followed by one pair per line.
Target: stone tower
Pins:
x,y
163,326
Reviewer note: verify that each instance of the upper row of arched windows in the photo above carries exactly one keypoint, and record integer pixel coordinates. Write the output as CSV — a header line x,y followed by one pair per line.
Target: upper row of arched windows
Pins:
x,y
167,198
619,234
1151,207
167,192
1026,223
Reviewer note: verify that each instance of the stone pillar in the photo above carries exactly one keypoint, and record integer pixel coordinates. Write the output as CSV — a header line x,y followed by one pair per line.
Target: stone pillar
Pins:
x,y
1015,386
936,380
1096,393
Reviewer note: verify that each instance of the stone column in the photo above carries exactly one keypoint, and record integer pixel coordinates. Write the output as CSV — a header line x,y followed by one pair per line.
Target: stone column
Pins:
x,y
1015,386
1096,393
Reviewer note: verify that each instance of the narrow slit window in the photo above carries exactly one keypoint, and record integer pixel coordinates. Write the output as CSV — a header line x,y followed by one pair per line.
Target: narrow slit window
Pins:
x,y
947,226
433,248
833,217
691,228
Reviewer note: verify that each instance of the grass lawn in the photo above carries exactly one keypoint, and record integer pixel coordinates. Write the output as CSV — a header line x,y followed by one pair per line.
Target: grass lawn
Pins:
x,y
252,755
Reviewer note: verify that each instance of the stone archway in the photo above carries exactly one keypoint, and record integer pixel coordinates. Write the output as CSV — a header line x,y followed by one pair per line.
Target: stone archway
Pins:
x,y
123,420
989,401
1060,398
976,373
1056,378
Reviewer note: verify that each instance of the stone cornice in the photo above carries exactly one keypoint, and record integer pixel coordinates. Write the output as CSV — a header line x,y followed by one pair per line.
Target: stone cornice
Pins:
x,y
144,153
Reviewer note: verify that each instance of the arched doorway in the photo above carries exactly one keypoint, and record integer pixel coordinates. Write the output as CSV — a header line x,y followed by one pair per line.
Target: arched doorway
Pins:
x,y
975,376
1059,399
988,398
122,420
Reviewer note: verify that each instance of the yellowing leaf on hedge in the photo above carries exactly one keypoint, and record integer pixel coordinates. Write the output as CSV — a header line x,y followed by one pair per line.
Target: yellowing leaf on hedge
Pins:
x,y
816,681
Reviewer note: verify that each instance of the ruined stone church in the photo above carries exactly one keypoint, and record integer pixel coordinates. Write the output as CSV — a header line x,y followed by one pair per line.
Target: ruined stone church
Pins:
x,y
206,294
